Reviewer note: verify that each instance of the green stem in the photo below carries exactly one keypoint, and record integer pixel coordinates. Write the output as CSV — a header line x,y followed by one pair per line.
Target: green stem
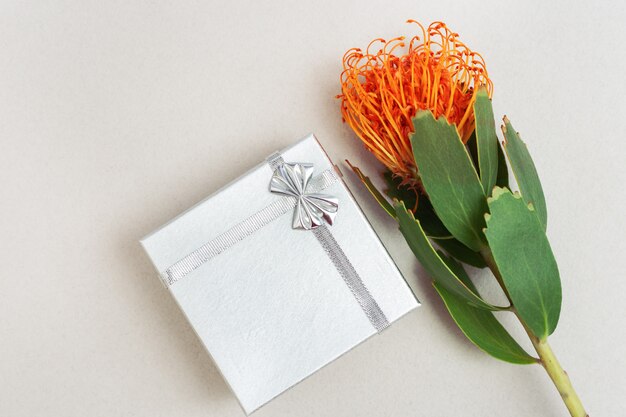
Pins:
x,y
558,376
546,356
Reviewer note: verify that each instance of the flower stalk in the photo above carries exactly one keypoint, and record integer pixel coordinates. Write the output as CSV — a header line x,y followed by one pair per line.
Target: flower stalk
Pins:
x,y
558,376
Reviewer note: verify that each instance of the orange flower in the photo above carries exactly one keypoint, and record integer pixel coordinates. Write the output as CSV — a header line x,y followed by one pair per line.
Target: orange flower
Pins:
x,y
382,91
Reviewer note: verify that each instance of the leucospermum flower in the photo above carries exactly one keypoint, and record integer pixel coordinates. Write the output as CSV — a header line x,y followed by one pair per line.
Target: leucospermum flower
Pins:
x,y
381,91
416,106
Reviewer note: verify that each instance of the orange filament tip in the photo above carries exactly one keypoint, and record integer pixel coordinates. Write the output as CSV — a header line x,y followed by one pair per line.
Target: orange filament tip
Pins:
x,y
382,89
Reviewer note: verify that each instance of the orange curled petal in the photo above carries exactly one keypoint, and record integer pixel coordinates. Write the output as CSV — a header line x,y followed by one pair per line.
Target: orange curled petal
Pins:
x,y
382,90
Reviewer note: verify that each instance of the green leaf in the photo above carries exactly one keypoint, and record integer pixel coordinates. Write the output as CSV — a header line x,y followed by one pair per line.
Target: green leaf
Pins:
x,y
386,205
432,262
449,178
481,326
486,140
461,252
524,171
424,211
502,180
525,261
430,222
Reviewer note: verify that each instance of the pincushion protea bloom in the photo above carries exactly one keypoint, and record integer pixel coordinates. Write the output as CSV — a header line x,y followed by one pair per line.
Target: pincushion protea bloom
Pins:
x,y
416,113
383,90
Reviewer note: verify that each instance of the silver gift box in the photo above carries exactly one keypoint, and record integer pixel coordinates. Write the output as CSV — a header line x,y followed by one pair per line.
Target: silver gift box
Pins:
x,y
273,304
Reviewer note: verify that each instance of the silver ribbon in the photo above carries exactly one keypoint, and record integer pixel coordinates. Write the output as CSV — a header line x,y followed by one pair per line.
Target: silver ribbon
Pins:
x,y
311,208
300,191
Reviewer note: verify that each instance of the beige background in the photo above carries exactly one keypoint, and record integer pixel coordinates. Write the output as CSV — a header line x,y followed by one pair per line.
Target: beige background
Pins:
x,y
118,115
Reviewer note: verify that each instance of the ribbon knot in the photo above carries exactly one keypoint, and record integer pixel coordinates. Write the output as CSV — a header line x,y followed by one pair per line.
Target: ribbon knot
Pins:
x,y
311,208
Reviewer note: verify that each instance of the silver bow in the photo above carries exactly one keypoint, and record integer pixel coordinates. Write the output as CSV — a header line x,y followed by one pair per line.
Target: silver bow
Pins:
x,y
311,208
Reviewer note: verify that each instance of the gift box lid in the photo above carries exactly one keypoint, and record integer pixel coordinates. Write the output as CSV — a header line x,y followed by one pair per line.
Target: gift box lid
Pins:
x,y
274,304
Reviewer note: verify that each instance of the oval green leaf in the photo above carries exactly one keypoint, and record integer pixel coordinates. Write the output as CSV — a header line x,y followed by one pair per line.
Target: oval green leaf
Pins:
x,y
486,140
525,172
525,261
432,262
481,326
449,177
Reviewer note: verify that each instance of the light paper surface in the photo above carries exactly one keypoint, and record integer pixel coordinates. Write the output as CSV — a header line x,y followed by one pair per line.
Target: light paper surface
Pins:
x,y
273,309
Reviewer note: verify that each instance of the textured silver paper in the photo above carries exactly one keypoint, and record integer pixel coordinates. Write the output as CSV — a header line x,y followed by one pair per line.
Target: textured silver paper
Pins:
x,y
272,309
